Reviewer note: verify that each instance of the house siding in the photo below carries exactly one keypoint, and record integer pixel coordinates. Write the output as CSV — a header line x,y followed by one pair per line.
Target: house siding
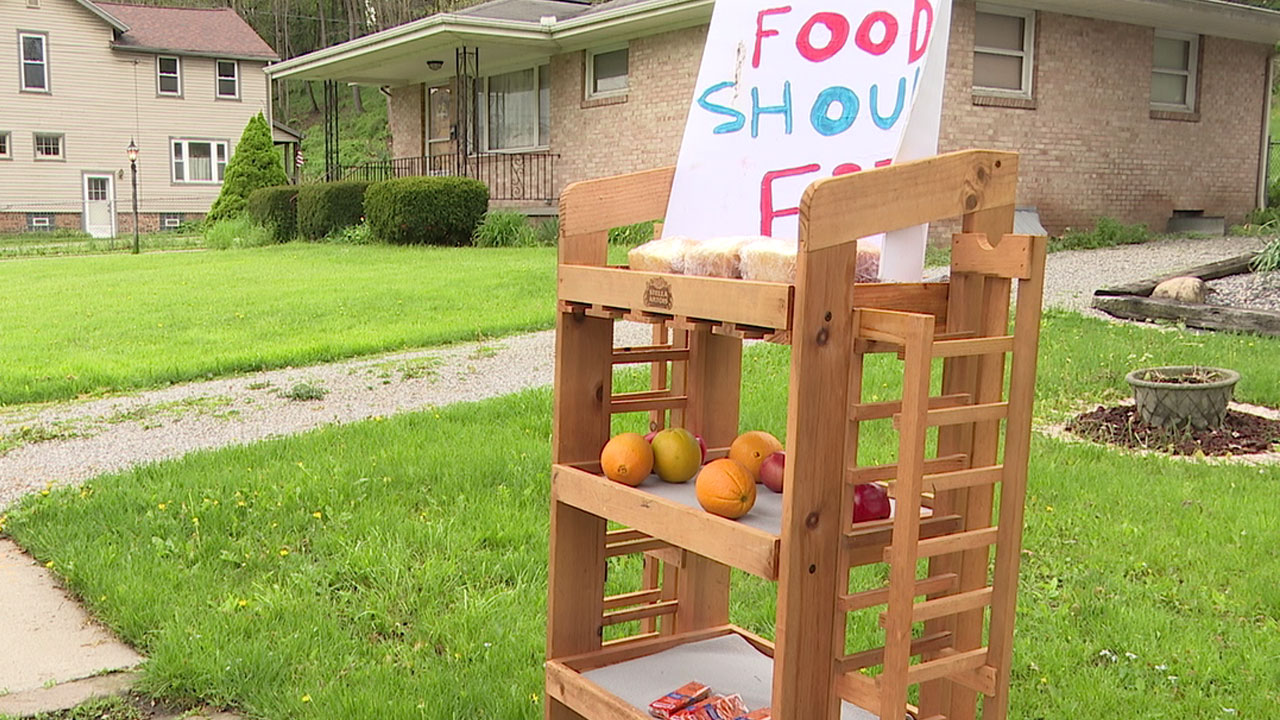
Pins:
x,y
92,104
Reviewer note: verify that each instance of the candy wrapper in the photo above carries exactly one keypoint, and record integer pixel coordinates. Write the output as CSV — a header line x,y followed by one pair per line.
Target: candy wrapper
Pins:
x,y
715,707
673,702
758,714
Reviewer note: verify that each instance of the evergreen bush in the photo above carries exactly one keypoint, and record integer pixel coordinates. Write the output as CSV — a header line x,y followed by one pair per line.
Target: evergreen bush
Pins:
x,y
275,208
426,210
326,207
255,164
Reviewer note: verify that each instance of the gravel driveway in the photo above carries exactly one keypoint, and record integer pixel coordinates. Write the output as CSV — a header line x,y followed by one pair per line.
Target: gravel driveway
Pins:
x,y
72,441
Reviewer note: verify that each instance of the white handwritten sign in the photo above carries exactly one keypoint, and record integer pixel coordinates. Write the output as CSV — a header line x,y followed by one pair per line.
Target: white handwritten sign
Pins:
x,y
791,93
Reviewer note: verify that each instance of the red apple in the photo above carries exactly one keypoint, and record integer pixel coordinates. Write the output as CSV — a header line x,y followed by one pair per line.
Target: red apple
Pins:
x,y
702,445
771,470
870,502
649,438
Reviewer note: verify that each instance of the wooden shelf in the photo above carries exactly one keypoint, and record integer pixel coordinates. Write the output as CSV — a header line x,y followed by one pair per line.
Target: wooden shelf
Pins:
x,y
619,682
671,512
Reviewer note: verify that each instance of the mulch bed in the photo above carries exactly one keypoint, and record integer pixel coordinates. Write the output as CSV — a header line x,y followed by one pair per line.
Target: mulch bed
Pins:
x,y
1241,433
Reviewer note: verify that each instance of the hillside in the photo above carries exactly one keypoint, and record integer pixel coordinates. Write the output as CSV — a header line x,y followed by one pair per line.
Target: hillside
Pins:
x,y
362,136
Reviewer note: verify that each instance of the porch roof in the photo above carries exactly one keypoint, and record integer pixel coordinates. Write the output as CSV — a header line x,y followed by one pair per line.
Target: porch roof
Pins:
x,y
514,33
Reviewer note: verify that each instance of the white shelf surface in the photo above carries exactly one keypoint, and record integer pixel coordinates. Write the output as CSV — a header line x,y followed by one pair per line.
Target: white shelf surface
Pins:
x,y
729,664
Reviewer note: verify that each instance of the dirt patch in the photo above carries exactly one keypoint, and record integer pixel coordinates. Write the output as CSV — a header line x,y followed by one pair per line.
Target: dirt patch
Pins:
x,y
1241,433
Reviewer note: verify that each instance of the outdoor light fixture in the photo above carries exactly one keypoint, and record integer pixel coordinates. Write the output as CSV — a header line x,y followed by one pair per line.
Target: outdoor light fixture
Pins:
x,y
132,152
435,64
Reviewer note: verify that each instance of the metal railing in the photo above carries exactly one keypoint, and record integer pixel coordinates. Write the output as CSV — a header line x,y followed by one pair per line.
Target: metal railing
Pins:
x,y
510,176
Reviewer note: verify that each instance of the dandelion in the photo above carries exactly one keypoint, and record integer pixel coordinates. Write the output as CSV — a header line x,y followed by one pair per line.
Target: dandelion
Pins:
x,y
163,506
49,564
284,551
306,698
195,520
317,514
242,602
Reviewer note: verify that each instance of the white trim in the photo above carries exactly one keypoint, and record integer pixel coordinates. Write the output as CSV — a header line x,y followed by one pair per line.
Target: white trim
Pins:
x,y
218,77
106,16
426,108
111,199
7,153
185,144
62,146
43,62
482,116
589,72
177,73
1191,73
1027,54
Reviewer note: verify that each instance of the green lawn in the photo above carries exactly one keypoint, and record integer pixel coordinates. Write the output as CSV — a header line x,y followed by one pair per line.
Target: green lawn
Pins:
x,y
45,244
396,568
93,324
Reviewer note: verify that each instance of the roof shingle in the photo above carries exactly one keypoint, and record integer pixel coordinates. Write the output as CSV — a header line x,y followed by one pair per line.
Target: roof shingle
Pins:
x,y
201,31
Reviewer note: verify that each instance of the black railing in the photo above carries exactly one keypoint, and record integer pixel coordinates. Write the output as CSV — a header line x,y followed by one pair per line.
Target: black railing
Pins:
x,y
510,176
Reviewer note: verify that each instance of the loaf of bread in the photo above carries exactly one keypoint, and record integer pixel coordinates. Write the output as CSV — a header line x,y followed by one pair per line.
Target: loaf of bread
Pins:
x,y
665,255
717,257
868,263
769,260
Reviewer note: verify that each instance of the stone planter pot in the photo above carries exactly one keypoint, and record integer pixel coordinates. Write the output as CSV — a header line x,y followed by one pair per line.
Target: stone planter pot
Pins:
x,y
1182,396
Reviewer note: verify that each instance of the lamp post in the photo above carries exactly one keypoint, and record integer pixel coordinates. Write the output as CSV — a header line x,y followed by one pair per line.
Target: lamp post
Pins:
x,y
132,150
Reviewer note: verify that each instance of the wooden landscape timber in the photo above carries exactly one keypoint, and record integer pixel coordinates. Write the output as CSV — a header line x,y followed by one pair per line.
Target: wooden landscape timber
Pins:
x,y
946,496
1133,301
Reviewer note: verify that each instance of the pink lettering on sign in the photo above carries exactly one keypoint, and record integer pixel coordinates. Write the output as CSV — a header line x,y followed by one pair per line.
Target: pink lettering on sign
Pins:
x,y
836,24
768,213
890,25
919,42
761,33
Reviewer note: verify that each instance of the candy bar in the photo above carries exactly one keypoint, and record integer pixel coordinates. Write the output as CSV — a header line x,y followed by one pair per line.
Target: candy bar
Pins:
x,y
715,708
763,713
673,702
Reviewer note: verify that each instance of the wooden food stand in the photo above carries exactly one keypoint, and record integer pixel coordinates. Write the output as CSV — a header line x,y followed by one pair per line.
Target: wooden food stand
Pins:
x,y
936,622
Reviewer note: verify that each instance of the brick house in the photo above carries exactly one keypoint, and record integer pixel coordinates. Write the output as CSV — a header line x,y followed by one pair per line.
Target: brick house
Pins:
x,y
87,78
1133,109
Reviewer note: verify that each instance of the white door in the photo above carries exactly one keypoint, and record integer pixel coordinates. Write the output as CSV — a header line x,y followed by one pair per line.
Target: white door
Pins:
x,y
99,205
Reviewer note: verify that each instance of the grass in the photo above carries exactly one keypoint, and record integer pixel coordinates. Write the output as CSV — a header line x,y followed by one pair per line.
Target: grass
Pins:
x,y
396,567
59,244
97,324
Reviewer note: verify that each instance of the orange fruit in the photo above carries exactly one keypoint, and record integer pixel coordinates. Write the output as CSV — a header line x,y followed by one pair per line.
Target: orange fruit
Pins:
x,y
725,488
627,459
676,455
751,448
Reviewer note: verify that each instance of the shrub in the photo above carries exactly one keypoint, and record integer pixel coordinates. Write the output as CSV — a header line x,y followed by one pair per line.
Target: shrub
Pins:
x,y
504,228
351,235
547,232
275,208
1269,258
255,164
1108,232
326,207
631,235
426,210
236,232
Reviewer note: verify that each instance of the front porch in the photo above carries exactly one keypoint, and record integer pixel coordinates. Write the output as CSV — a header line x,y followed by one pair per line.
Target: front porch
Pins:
x,y
516,178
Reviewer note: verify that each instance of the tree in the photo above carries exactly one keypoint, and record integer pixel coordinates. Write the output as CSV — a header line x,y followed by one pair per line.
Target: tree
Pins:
x,y
255,164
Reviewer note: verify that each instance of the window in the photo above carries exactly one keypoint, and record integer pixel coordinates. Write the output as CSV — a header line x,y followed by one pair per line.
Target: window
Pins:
x,y
168,75
42,221
170,221
606,73
1003,51
516,110
6,146
1173,71
199,161
228,79
48,146
98,188
35,62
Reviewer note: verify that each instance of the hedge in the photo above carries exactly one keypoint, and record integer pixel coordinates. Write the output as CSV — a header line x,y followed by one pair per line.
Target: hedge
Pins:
x,y
275,208
426,210
255,164
325,207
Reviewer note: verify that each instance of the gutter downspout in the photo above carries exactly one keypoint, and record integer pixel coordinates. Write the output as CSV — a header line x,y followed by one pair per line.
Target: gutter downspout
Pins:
x,y
1265,164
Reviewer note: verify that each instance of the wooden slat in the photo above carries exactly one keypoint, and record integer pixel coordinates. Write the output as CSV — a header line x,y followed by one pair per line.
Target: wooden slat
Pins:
x,y
908,194
866,546
973,252
573,697
973,346
613,602
658,353
875,473
875,656
863,412
955,480
880,596
666,607
948,605
984,412
742,546
763,305
925,298
631,547
596,206
956,542
947,665
585,662
645,401
860,690
623,535
625,641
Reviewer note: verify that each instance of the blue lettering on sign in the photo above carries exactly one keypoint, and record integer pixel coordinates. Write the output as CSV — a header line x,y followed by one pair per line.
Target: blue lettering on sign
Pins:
x,y
884,123
739,120
821,118
784,109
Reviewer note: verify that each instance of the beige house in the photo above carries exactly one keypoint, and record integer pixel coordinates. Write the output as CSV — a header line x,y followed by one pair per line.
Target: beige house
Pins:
x,y
1133,109
84,79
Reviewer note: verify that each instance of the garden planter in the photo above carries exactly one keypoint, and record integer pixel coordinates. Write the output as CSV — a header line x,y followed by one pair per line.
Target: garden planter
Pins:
x,y
1183,396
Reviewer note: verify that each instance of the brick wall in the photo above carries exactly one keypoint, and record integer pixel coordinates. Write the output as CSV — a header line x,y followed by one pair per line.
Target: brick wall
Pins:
x,y
595,138
147,222
404,118
1090,147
